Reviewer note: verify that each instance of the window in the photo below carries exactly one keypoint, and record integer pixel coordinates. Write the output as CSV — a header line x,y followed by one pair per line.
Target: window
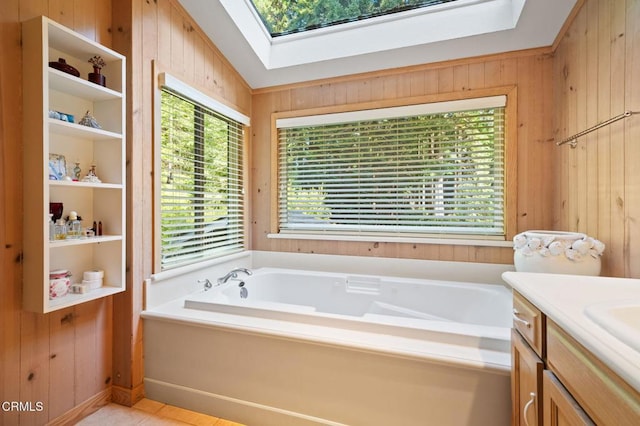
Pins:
x,y
429,169
200,178
287,17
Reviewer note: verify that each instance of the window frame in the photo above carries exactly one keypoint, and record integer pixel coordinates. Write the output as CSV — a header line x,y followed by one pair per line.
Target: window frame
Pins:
x,y
510,173
167,81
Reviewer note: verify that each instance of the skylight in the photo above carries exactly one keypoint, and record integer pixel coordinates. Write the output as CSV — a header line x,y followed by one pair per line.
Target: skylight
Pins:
x,y
282,17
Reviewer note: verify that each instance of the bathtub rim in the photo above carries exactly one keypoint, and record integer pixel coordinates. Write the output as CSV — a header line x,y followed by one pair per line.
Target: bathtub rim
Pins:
x,y
486,335
400,347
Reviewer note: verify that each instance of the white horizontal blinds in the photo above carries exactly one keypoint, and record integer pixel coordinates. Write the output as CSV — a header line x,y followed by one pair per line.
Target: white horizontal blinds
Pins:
x,y
430,173
201,206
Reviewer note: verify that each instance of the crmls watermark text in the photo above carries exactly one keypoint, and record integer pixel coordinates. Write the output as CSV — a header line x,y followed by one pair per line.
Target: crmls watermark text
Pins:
x,y
22,406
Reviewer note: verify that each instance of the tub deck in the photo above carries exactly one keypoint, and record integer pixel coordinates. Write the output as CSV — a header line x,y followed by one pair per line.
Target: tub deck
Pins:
x,y
298,366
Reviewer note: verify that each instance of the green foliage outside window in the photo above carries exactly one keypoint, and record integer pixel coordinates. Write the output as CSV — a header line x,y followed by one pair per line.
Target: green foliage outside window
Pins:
x,y
288,16
431,173
196,182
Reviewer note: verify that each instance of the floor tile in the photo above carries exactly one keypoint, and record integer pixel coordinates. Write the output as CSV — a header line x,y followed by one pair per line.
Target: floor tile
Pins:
x,y
114,414
187,416
149,406
148,412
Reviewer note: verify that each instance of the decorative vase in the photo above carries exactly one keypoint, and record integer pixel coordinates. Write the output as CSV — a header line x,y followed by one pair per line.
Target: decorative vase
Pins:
x,y
97,78
62,65
557,252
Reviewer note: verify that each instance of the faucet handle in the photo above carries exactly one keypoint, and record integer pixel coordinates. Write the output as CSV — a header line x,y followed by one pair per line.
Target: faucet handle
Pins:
x,y
207,283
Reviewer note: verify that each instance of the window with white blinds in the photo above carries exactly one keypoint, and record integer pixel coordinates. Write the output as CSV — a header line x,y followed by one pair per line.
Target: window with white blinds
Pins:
x,y
422,169
201,182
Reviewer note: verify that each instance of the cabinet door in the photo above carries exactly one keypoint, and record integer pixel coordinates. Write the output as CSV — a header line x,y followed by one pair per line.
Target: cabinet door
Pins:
x,y
560,409
526,383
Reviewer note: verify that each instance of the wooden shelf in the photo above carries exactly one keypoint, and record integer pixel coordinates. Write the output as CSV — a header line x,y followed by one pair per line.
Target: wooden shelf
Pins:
x,y
76,130
72,299
75,86
47,89
84,241
80,184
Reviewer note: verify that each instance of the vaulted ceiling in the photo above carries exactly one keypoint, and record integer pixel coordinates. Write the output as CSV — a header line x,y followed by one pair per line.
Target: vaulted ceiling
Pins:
x,y
460,29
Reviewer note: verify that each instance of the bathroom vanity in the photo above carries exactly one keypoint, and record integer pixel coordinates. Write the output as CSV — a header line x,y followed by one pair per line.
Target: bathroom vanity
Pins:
x,y
575,350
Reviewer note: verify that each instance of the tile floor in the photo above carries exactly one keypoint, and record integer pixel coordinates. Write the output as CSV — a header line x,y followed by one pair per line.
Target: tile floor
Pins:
x,y
150,413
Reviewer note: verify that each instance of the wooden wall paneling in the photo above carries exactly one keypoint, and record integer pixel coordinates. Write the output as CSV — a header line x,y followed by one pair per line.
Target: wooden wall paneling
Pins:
x,y
445,80
476,76
604,134
86,352
416,81
62,362
509,71
544,210
377,88
145,53
590,142
492,73
104,29
543,152
33,384
560,174
617,155
145,72
579,70
632,137
209,70
571,113
104,345
198,60
62,11
460,78
177,41
164,32
10,197
431,81
527,163
599,47
218,75
84,20
128,40
142,160
29,9
190,37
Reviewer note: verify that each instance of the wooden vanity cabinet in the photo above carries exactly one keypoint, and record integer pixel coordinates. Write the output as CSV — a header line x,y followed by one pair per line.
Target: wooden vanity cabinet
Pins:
x,y
526,382
560,409
538,397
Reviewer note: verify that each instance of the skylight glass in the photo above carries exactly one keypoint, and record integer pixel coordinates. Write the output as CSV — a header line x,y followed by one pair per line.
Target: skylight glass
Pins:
x,y
282,17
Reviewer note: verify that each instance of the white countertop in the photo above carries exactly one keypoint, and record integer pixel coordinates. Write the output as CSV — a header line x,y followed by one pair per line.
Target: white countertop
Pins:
x,y
563,298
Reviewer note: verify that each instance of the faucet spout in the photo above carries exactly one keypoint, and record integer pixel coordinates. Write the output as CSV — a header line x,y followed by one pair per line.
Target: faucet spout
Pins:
x,y
233,274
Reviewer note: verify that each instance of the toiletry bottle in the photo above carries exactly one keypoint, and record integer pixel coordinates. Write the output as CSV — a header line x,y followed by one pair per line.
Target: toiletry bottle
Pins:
x,y
60,230
74,226
52,228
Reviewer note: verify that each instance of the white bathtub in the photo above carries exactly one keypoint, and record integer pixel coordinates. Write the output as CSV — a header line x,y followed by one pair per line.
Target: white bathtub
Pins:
x,y
308,347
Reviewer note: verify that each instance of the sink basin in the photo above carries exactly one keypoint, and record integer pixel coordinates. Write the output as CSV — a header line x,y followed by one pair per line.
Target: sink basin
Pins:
x,y
621,319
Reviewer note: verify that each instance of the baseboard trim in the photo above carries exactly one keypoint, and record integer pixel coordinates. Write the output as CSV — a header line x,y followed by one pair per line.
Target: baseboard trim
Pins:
x,y
229,408
84,409
127,397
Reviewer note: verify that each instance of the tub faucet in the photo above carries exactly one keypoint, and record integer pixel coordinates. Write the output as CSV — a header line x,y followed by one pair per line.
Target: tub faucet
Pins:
x,y
233,274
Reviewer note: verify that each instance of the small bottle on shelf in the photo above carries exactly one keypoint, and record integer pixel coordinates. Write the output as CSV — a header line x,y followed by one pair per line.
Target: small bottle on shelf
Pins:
x,y
74,226
60,230
52,228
